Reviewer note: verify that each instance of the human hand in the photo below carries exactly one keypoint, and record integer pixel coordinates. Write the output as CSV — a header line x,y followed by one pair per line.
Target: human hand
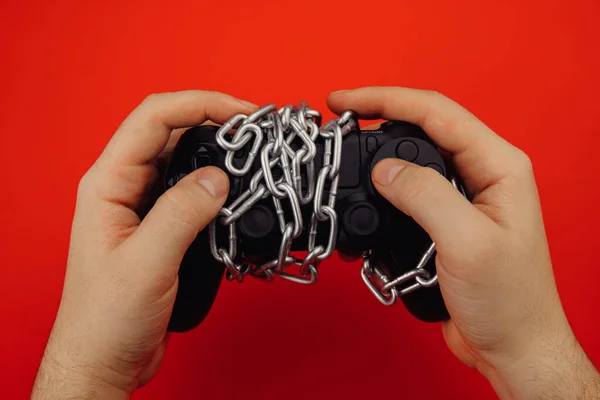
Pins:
x,y
109,336
492,260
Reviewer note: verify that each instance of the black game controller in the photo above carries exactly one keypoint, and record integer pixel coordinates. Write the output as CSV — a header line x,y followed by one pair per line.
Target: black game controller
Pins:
x,y
366,220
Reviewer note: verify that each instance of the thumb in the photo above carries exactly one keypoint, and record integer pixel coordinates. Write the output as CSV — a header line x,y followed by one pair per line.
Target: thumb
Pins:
x,y
430,199
178,216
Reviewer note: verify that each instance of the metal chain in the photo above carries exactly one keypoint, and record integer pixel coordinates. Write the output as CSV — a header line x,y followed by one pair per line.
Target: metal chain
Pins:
x,y
288,138
386,289
285,139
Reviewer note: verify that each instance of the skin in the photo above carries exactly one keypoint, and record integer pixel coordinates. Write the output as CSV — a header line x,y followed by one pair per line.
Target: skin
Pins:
x,y
493,262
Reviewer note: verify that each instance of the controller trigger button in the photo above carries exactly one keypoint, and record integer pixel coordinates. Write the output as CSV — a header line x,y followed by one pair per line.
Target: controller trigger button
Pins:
x,y
371,144
407,150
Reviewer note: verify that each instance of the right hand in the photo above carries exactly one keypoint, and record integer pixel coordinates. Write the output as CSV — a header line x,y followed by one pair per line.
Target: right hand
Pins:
x,y
493,261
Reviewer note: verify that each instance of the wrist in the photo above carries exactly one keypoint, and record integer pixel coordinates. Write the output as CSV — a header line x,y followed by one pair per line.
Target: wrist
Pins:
x,y
70,370
556,368
57,381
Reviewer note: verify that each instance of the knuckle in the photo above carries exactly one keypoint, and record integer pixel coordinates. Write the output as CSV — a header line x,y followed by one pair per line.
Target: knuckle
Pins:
x,y
149,109
152,99
417,182
445,114
440,100
182,205
176,206
85,184
523,161
521,169
436,94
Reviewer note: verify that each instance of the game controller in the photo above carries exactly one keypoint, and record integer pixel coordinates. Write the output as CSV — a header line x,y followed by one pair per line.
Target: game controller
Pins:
x,y
366,220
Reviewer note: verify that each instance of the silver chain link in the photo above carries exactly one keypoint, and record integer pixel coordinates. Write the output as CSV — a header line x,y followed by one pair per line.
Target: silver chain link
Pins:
x,y
291,134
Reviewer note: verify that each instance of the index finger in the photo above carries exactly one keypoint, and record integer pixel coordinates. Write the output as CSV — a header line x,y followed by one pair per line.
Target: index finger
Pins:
x,y
146,131
481,156
126,169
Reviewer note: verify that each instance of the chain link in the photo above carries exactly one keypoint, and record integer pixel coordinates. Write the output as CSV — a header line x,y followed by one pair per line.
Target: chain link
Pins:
x,y
284,140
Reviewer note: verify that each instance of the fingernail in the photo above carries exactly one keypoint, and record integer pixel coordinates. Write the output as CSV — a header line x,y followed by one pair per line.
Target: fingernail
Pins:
x,y
385,173
340,91
214,181
247,103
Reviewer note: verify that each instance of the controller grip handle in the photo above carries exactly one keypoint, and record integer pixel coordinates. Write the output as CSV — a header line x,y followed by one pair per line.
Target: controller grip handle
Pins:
x,y
425,303
200,277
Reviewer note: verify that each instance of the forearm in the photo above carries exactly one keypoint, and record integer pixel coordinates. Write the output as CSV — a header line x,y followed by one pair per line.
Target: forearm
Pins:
x,y
559,371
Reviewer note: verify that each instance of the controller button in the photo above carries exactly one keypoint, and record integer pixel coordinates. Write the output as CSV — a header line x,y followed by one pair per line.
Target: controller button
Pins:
x,y
257,222
371,144
361,219
407,150
436,167
173,181
201,161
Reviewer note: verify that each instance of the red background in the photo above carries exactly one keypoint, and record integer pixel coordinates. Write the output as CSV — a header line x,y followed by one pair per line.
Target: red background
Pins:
x,y
70,71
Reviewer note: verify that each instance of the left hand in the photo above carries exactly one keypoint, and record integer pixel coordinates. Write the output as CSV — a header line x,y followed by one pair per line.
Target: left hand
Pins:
x,y
109,336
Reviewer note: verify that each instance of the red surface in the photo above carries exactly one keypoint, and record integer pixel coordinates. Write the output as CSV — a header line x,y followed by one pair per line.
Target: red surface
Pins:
x,y
71,71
